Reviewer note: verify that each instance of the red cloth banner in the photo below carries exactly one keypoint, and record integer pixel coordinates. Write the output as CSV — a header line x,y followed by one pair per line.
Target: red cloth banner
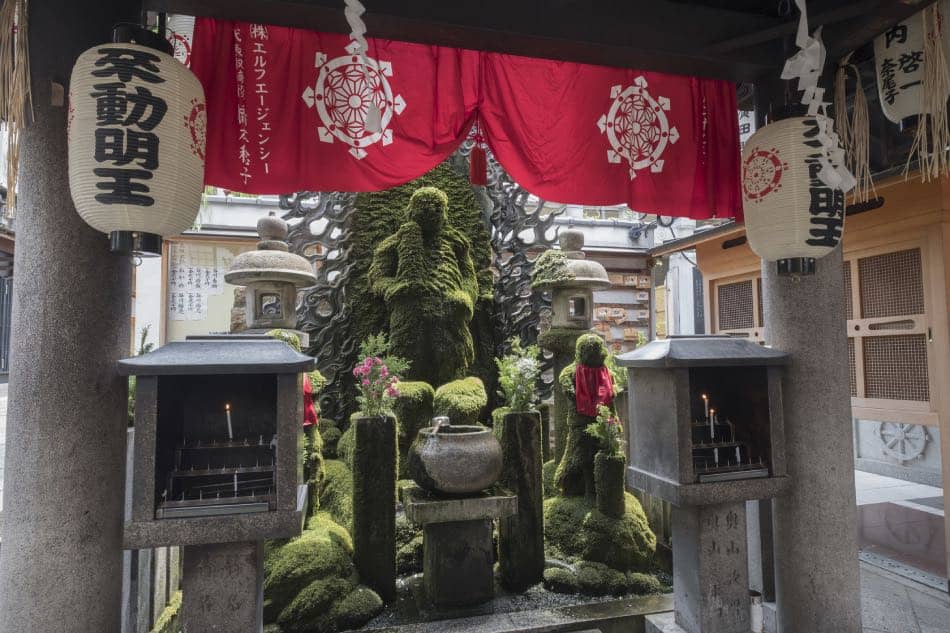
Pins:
x,y
286,112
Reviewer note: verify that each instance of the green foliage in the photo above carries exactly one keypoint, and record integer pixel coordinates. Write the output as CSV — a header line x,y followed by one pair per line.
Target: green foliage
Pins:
x,y
518,374
408,547
347,445
144,346
377,345
575,528
618,374
331,437
561,580
359,606
461,400
168,620
287,337
597,579
550,268
317,382
608,431
336,493
413,409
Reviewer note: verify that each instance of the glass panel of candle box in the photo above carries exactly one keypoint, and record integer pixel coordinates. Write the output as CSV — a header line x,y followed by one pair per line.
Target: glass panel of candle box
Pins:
x,y
215,453
730,432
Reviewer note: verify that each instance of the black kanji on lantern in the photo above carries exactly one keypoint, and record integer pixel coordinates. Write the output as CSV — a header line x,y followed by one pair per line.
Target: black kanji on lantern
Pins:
x,y
826,204
126,116
897,33
888,82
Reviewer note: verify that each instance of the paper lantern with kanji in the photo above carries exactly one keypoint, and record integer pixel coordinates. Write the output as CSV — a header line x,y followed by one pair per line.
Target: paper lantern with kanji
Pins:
x,y
136,130
791,216
899,66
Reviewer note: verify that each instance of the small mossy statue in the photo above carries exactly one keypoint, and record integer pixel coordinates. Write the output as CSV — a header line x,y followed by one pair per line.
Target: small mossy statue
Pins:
x,y
586,383
425,276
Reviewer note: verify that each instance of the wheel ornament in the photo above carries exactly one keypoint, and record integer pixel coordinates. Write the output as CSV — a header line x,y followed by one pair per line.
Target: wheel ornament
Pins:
x,y
903,442
342,94
637,127
762,173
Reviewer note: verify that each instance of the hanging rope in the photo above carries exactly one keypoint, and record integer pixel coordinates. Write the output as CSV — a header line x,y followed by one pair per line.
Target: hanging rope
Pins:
x,y
16,102
854,132
933,134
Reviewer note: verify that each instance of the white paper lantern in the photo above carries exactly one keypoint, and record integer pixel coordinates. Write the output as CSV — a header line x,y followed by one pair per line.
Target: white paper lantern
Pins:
x,y
136,131
791,216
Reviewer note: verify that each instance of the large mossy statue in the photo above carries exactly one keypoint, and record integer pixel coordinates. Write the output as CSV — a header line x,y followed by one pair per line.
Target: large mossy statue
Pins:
x,y
425,275
589,519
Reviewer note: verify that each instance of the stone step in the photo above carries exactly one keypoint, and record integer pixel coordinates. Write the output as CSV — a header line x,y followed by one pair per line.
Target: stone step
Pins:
x,y
625,615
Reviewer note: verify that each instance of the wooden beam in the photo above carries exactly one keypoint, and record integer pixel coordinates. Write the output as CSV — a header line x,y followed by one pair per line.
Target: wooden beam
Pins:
x,y
550,39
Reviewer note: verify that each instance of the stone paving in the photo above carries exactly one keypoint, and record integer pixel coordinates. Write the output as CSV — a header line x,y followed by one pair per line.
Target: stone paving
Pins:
x,y
891,604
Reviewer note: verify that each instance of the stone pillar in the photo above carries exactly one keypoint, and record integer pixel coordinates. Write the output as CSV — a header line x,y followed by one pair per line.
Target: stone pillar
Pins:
x,y
457,562
521,536
222,587
815,522
374,504
710,569
66,429
560,342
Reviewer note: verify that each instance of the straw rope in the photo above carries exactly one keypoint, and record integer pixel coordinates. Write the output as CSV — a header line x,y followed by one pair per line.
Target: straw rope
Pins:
x,y
854,132
16,102
933,134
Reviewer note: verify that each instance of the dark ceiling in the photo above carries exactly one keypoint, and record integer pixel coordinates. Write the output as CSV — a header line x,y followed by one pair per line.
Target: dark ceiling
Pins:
x,y
741,40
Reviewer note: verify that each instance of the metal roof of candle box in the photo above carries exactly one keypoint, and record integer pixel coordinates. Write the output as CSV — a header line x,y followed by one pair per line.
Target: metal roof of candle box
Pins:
x,y
705,420
217,428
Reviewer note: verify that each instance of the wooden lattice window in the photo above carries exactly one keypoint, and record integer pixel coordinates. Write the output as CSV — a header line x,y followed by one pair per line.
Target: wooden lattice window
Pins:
x,y
734,302
891,284
895,367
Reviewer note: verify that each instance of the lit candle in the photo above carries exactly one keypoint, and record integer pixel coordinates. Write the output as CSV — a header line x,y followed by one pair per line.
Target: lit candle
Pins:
x,y
706,405
711,414
227,411
235,484
738,457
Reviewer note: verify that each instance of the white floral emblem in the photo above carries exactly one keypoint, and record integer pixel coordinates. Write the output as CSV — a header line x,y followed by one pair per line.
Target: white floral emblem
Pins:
x,y
344,90
637,127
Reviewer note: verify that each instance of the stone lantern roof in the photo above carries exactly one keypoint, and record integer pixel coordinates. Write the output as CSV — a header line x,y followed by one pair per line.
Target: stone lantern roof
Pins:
x,y
272,260
577,271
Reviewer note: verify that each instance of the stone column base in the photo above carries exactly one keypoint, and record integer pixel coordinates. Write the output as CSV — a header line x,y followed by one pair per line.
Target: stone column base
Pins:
x,y
222,587
662,623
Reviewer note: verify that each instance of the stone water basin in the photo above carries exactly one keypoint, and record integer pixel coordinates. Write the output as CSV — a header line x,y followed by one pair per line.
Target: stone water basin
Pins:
x,y
455,459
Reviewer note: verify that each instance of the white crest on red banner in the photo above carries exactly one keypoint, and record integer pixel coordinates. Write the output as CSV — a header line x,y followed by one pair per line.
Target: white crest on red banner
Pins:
x,y
342,94
637,127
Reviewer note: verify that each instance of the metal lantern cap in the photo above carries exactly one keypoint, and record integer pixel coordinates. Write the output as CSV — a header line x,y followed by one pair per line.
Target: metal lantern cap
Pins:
x,y
702,351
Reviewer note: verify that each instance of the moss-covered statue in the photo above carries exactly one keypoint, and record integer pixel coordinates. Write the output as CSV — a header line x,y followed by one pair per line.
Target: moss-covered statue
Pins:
x,y
586,382
425,275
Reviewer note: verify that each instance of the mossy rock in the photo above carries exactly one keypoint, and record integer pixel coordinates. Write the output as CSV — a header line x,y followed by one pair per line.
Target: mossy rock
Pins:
x,y
645,584
322,525
413,409
311,609
408,547
574,527
286,336
336,492
548,469
313,555
461,400
561,580
356,609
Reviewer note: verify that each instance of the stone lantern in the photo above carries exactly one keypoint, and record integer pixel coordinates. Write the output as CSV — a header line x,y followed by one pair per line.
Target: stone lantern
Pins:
x,y
572,285
272,275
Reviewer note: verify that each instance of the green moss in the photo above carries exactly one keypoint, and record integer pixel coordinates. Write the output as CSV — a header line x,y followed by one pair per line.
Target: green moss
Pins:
x,y
550,268
379,215
356,609
561,581
409,556
591,350
322,525
461,400
336,493
331,437
168,620
497,416
413,409
287,337
643,584
310,611
559,339
317,383
547,478
574,527
347,445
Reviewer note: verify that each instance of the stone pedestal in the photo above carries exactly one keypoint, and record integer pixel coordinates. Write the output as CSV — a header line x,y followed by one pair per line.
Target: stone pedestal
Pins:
x,y
521,536
61,567
561,343
815,521
374,504
710,575
222,587
457,542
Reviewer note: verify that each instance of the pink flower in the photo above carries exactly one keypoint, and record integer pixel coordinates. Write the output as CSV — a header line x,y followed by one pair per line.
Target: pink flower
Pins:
x,y
377,361
383,371
365,382
392,392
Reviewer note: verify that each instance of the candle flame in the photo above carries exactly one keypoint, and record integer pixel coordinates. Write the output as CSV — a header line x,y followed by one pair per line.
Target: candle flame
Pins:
x,y
705,397
227,406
